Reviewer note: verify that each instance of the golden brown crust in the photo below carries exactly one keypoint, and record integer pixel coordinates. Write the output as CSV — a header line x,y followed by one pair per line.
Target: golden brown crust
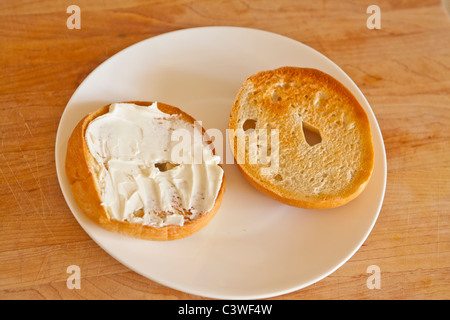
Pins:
x,y
85,190
317,204
295,95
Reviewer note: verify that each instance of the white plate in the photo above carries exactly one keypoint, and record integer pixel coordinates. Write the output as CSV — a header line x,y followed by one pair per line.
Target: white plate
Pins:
x,y
254,247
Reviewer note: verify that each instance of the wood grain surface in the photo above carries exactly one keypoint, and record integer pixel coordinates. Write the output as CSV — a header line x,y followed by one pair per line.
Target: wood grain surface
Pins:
x,y
403,69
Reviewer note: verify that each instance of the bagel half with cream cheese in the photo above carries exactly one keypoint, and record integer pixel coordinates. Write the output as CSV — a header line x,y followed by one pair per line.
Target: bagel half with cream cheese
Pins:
x,y
273,115
121,169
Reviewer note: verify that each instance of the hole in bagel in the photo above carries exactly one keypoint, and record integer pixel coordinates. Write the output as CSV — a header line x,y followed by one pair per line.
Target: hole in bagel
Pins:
x,y
278,177
275,97
311,133
249,124
139,213
165,166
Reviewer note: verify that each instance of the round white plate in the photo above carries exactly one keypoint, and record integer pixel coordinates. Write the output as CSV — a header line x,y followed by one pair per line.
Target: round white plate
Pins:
x,y
255,247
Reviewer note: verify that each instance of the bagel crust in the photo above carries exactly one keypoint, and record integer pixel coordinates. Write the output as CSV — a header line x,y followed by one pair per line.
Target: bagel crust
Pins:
x,y
295,102
81,175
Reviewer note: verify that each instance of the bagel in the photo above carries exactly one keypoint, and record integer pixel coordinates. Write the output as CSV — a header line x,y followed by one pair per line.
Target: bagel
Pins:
x,y
123,176
275,112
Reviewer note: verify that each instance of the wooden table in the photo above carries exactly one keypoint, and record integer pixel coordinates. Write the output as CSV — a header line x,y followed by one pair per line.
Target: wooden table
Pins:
x,y
403,69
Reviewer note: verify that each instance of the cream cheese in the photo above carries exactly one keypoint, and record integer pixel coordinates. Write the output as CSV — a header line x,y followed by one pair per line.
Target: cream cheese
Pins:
x,y
141,176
